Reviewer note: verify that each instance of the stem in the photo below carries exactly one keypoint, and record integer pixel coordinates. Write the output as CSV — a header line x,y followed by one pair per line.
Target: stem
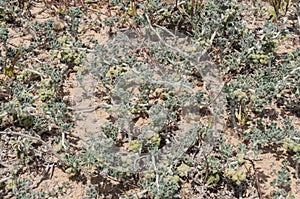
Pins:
x,y
256,179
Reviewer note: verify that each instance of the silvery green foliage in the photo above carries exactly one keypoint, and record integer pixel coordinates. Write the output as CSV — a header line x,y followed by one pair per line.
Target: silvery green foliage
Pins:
x,y
129,68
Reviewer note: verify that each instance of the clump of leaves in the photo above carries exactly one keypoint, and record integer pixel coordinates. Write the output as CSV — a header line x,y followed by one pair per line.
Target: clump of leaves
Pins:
x,y
282,182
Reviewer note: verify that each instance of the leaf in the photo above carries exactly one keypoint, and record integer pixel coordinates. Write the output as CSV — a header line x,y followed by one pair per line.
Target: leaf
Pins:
x,y
213,178
243,120
272,11
132,9
238,116
16,57
8,72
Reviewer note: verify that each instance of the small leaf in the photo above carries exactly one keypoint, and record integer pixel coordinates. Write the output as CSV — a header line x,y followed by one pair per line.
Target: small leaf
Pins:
x,y
272,11
182,169
211,179
238,116
243,120
132,9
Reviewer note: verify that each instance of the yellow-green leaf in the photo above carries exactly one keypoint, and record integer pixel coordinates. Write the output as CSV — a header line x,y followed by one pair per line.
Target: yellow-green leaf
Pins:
x,y
211,179
238,116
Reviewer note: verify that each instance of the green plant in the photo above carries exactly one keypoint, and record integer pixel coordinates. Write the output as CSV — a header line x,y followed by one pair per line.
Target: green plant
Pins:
x,y
64,5
279,8
23,147
282,182
194,93
91,192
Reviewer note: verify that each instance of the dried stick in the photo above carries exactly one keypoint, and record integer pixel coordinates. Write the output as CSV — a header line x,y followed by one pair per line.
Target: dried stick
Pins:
x,y
5,179
256,179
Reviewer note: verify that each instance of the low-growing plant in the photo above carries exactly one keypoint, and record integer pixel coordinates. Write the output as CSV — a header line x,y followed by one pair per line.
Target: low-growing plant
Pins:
x,y
282,182
279,8
193,93
91,192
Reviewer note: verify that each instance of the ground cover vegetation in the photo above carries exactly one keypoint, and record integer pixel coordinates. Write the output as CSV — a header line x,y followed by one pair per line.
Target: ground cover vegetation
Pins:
x,y
189,99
